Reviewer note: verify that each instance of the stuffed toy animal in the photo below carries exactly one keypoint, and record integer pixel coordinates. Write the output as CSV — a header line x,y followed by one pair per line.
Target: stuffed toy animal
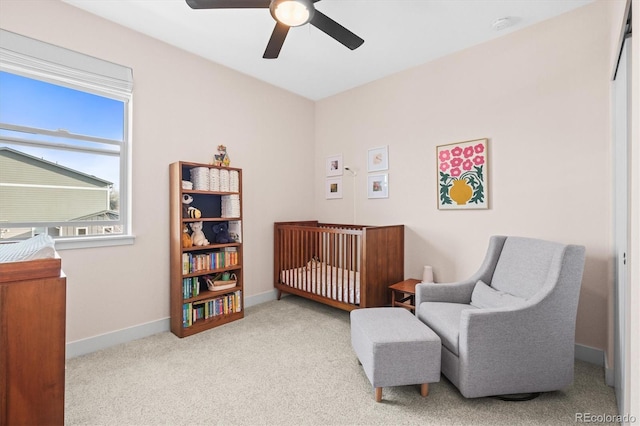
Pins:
x,y
221,158
186,200
314,263
186,238
197,236
187,210
193,213
221,233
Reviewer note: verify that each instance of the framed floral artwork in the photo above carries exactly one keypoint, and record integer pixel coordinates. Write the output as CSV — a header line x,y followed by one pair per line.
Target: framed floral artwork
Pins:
x,y
334,165
378,159
378,186
333,188
462,175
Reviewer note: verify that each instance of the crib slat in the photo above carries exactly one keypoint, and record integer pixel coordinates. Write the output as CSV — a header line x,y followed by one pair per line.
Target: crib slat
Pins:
x,y
297,256
302,254
350,277
305,258
343,271
288,254
319,254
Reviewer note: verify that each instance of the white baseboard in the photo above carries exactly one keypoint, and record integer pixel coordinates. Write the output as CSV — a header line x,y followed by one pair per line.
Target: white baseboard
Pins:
x,y
589,354
103,341
609,372
257,299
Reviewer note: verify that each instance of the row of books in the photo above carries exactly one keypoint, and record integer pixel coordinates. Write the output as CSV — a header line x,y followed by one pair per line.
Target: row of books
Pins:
x,y
190,287
192,262
203,309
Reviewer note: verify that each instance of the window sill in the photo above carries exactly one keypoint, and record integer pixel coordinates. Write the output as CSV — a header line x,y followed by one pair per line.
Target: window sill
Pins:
x,y
97,241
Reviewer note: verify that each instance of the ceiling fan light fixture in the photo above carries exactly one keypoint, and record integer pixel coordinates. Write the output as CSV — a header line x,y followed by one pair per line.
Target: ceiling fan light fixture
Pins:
x,y
292,13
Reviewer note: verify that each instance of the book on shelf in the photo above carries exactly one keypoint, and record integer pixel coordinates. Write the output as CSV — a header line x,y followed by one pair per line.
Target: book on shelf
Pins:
x,y
235,230
187,315
190,287
204,309
208,261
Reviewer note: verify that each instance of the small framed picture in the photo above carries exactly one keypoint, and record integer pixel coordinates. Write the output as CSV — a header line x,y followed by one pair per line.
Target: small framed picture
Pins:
x,y
378,159
378,186
334,165
333,188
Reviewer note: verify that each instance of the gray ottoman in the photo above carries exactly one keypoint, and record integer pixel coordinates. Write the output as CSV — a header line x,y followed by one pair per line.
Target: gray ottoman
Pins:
x,y
395,348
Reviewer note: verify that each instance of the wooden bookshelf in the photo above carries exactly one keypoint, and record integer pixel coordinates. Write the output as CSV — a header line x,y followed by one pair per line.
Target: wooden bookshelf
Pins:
x,y
195,308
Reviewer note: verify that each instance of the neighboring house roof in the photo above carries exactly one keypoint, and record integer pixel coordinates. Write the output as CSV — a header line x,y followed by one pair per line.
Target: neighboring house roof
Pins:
x,y
103,215
56,168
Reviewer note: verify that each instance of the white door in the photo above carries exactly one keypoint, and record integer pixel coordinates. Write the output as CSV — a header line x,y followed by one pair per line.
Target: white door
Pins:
x,y
621,90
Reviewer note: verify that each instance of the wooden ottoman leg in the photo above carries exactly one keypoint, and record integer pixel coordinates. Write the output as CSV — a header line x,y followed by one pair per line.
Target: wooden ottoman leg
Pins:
x,y
378,394
424,389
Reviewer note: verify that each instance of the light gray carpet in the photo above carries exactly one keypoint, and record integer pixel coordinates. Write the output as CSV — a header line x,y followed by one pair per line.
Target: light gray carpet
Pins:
x,y
288,362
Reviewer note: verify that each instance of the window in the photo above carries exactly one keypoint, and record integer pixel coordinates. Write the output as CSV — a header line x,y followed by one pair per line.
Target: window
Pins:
x,y
64,145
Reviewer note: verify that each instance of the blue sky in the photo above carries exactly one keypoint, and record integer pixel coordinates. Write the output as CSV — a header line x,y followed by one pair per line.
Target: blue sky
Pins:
x,y
29,102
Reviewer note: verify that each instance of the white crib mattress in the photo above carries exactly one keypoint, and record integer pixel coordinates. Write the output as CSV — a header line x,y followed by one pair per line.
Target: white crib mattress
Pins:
x,y
314,280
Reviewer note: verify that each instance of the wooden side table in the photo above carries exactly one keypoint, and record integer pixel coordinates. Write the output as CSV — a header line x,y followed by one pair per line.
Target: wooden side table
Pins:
x,y
403,294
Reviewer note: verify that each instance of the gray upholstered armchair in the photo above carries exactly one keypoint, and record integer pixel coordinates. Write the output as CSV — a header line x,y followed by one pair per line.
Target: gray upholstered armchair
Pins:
x,y
510,328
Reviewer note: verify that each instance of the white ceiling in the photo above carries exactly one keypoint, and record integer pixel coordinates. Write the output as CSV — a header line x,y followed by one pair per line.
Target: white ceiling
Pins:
x,y
398,34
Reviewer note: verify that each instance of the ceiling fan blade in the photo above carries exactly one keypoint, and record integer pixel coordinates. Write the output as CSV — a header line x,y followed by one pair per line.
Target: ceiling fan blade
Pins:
x,y
276,41
228,4
335,30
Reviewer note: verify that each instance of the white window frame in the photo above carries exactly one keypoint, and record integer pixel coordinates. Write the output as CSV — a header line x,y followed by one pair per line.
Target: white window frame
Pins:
x,y
53,64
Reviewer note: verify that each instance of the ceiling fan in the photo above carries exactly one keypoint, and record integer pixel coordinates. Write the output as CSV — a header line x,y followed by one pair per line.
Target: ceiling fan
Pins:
x,y
287,13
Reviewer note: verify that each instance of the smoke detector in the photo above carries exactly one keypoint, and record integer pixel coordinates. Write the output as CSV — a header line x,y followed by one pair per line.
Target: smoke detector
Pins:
x,y
502,23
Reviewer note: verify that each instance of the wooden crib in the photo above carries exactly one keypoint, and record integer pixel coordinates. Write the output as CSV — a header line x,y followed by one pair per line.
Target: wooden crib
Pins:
x,y
344,266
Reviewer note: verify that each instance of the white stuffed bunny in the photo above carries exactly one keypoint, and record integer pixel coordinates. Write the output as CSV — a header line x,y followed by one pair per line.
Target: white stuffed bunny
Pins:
x,y
198,236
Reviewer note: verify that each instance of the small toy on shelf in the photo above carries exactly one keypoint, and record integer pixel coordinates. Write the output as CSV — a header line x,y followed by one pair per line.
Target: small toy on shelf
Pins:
x,y
187,210
197,236
221,233
221,158
193,213
186,238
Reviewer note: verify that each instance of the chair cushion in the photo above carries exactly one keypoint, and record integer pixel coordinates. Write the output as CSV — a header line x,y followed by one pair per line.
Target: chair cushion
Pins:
x,y
444,319
484,296
523,265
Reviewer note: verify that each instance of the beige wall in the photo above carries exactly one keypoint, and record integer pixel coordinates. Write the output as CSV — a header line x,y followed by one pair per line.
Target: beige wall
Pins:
x,y
541,96
184,107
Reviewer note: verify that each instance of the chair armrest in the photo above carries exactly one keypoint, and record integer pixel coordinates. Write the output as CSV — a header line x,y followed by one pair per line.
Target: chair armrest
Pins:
x,y
459,292
504,338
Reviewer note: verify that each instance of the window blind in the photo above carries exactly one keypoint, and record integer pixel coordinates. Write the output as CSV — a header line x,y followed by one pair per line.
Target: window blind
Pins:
x,y
36,59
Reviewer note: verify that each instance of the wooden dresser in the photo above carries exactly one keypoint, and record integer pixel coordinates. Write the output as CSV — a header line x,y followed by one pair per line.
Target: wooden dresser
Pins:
x,y
32,342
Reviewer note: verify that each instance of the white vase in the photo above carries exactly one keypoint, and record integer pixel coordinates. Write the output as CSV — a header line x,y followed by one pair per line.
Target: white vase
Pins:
x,y
427,274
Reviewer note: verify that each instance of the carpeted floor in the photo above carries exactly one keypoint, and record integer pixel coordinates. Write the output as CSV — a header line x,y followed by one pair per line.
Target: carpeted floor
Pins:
x,y
288,362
